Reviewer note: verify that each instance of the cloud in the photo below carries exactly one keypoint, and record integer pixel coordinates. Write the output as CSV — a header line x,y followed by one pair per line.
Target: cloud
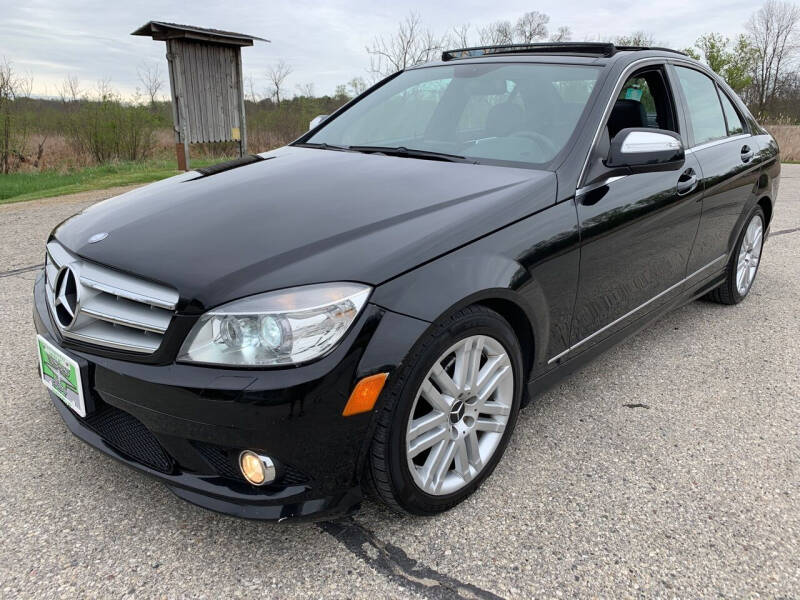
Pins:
x,y
324,42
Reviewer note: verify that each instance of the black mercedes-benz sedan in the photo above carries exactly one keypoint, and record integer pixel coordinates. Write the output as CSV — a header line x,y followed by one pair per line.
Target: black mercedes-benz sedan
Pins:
x,y
367,308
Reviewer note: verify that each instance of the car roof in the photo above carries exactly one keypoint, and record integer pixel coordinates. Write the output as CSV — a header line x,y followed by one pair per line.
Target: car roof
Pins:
x,y
591,53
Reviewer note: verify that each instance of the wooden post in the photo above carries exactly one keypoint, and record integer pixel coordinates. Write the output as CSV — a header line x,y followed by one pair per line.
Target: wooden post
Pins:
x,y
180,154
242,124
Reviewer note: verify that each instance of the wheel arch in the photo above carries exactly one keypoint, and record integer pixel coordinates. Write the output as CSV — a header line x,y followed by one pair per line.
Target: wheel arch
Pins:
x,y
765,202
497,283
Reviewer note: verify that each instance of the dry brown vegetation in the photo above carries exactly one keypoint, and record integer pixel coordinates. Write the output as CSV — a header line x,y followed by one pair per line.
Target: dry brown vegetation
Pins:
x,y
788,137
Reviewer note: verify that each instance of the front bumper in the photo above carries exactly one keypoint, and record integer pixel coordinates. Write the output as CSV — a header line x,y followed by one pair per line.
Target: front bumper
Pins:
x,y
185,425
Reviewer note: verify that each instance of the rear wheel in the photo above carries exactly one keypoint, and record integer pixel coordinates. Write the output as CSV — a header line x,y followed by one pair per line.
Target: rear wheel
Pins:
x,y
743,265
448,416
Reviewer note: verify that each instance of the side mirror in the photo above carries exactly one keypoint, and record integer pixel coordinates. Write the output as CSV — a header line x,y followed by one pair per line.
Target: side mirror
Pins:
x,y
316,121
642,149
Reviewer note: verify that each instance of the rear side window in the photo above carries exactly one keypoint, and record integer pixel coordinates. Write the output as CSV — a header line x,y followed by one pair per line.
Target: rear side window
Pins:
x,y
735,125
703,105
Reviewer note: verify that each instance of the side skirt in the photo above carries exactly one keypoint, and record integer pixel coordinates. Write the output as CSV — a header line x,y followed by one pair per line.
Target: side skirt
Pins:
x,y
551,378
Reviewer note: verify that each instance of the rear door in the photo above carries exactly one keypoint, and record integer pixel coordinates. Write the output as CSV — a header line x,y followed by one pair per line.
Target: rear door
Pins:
x,y
722,143
637,230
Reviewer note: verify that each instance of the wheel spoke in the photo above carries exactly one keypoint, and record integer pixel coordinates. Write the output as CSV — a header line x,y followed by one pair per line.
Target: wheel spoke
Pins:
x,y
489,425
444,381
757,240
441,462
740,277
475,354
434,397
426,440
494,408
462,460
493,372
461,368
473,450
425,423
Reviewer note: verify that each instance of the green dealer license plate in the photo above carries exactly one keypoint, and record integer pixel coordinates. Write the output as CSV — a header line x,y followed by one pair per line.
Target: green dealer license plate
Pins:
x,y
61,375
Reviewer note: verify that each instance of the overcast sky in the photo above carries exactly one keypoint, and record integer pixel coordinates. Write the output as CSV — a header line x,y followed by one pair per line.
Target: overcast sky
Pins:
x,y
322,41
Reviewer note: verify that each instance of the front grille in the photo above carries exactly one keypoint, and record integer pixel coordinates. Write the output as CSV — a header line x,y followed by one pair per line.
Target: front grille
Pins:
x,y
125,433
224,462
101,306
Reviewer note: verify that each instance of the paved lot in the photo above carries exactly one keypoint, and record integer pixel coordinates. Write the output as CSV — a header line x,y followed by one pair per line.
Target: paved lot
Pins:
x,y
670,467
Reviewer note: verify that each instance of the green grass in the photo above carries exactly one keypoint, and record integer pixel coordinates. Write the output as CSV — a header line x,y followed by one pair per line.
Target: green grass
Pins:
x,y
17,187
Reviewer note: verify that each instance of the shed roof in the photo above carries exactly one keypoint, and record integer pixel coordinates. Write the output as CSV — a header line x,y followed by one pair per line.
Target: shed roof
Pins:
x,y
161,30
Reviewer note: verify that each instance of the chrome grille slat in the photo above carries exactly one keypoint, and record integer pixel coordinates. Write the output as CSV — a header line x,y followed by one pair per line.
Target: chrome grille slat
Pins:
x,y
121,338
119,284
114,310
125,312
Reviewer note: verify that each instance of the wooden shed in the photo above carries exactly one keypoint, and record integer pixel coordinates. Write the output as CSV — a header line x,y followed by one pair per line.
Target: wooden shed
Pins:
x,y
205,79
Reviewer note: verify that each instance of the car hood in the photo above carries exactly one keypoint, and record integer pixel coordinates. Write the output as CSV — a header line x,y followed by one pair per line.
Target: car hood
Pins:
x,y
301,216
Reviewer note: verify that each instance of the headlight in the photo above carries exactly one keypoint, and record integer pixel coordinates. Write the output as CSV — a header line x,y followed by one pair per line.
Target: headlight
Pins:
x,y
285,327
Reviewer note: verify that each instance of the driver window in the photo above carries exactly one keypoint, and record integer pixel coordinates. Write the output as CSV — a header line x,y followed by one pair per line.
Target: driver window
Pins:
x,y
643,101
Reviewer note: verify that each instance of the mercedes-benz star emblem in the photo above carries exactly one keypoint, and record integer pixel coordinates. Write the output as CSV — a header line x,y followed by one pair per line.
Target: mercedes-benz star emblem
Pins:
x,y
66,297
98,237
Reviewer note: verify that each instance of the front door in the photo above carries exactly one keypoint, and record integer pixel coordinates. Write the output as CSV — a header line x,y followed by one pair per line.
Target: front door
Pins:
x,y
637,230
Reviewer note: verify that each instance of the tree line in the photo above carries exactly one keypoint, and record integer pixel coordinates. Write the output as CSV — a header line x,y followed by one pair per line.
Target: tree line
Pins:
x,y
762,65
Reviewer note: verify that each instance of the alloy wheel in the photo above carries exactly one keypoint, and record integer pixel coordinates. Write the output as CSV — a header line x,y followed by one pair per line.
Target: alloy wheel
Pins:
x,y
749,255
459,415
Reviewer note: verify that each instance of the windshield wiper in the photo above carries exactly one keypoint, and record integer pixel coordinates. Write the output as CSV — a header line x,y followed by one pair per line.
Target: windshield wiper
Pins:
x,y
324,146
409,152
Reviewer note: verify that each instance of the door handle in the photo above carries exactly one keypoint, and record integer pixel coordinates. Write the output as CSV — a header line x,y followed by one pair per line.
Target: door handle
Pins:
x,y
687,182
747,153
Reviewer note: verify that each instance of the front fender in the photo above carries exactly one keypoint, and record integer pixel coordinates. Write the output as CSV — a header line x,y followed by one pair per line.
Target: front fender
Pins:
x,y
532,263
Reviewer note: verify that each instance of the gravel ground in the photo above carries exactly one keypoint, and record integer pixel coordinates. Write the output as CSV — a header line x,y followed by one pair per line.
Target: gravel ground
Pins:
x,y
669,467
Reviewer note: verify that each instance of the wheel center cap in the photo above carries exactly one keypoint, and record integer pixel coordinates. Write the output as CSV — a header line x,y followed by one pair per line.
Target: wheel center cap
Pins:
x,y
457,412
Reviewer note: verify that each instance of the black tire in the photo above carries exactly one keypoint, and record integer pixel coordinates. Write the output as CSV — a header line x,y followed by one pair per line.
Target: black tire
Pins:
x,y
728,293
388,477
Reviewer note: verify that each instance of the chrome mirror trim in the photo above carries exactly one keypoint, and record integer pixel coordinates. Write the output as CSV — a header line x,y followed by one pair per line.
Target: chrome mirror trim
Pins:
x,y
316,121
640,142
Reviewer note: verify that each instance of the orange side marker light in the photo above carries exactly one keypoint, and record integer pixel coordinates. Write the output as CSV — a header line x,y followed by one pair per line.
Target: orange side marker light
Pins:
x,y
365,394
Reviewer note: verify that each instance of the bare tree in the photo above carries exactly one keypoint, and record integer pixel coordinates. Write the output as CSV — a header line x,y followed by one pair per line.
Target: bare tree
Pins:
x,y
357,86
305,90
459,35
14,127
8,92
252,94
104,90
410,45
277,75
774,32
562,34
531,26
70,90
637,38
498,33
151,80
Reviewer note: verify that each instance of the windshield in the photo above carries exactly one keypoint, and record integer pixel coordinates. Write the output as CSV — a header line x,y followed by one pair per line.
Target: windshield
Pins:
x,y
521,112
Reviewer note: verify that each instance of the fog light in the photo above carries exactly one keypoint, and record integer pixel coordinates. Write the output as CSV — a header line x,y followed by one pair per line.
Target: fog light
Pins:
x,y
256,469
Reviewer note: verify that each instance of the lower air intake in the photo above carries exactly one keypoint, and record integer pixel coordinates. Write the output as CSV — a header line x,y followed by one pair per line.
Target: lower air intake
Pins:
x,y
125,433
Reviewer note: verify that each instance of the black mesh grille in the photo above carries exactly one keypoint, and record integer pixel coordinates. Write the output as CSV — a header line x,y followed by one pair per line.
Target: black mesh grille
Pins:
x,y
219,459
127,434
292,476
224,462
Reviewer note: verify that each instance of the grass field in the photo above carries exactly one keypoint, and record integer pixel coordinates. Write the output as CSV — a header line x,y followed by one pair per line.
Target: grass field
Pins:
x,y
17,187
30,185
